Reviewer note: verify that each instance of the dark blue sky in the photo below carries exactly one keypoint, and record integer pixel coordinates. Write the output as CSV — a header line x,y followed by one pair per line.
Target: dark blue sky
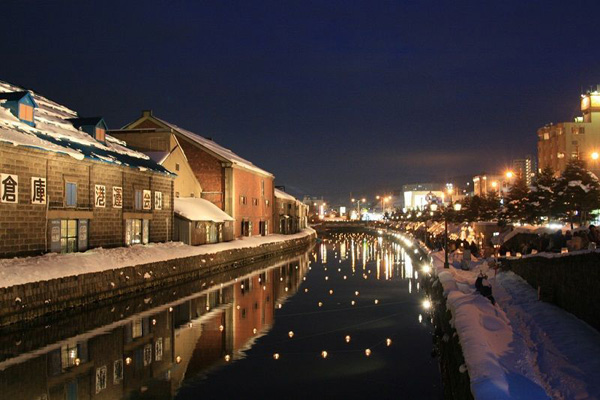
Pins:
x,y
331,96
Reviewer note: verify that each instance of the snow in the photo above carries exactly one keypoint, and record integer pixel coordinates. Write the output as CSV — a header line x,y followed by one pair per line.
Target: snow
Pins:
x,y
520,348
280,194
54,132
18,271
196,209
216,148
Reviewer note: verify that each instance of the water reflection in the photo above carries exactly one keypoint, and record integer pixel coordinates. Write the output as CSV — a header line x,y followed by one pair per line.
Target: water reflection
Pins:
x,y
154,351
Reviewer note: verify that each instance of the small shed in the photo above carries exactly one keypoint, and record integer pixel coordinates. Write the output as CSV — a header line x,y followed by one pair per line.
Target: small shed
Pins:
x,y
198,221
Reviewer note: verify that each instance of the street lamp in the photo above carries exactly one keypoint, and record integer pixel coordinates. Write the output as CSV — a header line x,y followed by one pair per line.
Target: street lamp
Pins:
x,y
457,207
595,155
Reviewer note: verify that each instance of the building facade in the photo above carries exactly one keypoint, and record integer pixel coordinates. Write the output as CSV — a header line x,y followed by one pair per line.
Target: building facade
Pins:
x,y
579,139
525,168
290,215
484,184
66,186
235,185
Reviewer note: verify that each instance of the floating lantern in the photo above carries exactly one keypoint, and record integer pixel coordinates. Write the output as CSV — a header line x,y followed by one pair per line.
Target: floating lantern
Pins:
x,y
324,354
227,358
368,352
178,359
320,304
330,291
376,301
339,269
345,277
291,334
305,290
388,342
347,338
221,327
170,309
276,356
353,302
281,279
356,293
153,321
279,306
77,361
326,278
286,289
128,361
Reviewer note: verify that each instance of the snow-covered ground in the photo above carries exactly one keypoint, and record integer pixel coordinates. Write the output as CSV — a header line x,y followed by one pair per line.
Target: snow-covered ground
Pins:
x,y
520,348
17,271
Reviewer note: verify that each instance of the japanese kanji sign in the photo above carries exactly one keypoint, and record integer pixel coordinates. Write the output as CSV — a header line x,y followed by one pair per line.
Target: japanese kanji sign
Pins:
x,y
38,190
158,200
147,200
100,196
117,197
9,188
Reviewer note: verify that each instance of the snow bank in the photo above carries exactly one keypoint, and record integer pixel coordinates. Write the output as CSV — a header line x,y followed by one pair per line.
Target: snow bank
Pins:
x,y
196,209
520,348
18,271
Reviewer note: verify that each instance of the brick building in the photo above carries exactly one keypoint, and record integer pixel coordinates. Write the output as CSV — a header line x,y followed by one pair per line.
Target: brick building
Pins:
x,y
233,184
67,186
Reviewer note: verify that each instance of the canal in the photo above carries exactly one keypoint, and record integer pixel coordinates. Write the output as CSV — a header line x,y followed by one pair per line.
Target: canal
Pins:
x,y
343,320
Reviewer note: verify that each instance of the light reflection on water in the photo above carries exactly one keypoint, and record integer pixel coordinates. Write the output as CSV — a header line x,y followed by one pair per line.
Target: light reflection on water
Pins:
x,y
267,327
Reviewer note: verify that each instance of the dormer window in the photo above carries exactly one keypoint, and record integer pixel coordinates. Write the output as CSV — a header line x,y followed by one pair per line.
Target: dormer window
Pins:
x,y
20,104
25,113
93,126
100,134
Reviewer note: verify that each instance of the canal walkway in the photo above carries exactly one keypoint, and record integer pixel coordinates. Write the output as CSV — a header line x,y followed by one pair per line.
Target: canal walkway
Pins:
x,y
521,347
19,271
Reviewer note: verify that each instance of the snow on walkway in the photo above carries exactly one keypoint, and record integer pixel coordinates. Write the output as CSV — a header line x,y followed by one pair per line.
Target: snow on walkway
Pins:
x,y
521,348
17,271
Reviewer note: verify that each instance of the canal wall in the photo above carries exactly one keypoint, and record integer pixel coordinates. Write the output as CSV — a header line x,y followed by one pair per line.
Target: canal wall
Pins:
x,y
32,300
570,281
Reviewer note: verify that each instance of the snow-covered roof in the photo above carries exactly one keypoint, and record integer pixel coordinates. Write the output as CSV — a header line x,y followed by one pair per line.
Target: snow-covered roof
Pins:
x,y
215,148
53,131
280,194
196,209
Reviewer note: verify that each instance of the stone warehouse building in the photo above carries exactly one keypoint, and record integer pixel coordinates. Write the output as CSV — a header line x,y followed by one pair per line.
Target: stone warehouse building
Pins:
x,y
66,186
208,170
290,214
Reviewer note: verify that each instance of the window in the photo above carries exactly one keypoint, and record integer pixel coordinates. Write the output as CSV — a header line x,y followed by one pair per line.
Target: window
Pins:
x,y
243,200
262,188
136,231
100,134
25,112
68,235
267,203
71,194
546,136
136,328
138,199
254,202
176,167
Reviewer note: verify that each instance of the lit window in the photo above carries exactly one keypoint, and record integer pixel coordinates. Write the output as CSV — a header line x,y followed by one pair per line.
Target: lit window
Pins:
x,y
68,235
71,194
243,200
138,199
100,134
25,112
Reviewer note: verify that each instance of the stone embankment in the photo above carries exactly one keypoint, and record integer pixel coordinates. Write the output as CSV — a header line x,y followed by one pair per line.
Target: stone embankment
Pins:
x,y
31,300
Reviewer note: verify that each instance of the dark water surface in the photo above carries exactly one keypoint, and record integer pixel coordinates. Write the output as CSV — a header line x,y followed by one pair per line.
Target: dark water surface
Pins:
x,y
258,333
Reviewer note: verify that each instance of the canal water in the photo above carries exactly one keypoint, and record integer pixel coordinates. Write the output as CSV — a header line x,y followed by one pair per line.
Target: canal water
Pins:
x,y
344,320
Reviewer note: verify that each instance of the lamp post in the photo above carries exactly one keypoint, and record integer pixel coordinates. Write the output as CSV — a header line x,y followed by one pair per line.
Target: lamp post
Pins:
x,y
457,207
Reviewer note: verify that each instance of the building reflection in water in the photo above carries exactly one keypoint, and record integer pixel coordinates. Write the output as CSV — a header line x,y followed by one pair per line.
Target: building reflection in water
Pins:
x,y
154,351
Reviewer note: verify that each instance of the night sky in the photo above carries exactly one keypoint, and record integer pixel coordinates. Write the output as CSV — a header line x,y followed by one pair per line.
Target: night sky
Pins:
x,y
332,97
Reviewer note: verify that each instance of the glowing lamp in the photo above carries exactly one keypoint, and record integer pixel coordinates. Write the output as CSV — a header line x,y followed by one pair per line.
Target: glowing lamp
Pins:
x,y
356,293
595,155
324,354
457,206
128,361
178,359
330,291
320,304
221,327
227,358
388,342
254,331
347,338
291,334
305,290
353,302
376,301
426,304
276,356
368,352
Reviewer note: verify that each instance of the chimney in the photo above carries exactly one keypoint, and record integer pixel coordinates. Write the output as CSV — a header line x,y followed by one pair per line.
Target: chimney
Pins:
x,y
146,113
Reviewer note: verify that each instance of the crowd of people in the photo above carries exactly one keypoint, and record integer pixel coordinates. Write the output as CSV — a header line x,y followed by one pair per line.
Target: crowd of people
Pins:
x,y
555,242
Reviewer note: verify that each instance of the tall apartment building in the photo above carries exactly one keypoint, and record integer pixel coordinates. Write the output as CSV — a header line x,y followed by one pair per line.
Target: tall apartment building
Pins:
x,y
525,168
580,139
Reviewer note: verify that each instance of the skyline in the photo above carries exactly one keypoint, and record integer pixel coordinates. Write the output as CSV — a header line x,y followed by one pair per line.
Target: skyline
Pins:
x,y
336,98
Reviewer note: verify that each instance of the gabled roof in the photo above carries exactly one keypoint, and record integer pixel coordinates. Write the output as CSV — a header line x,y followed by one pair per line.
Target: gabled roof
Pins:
x,y
54,132
280,194
86,121
16,96
212,147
